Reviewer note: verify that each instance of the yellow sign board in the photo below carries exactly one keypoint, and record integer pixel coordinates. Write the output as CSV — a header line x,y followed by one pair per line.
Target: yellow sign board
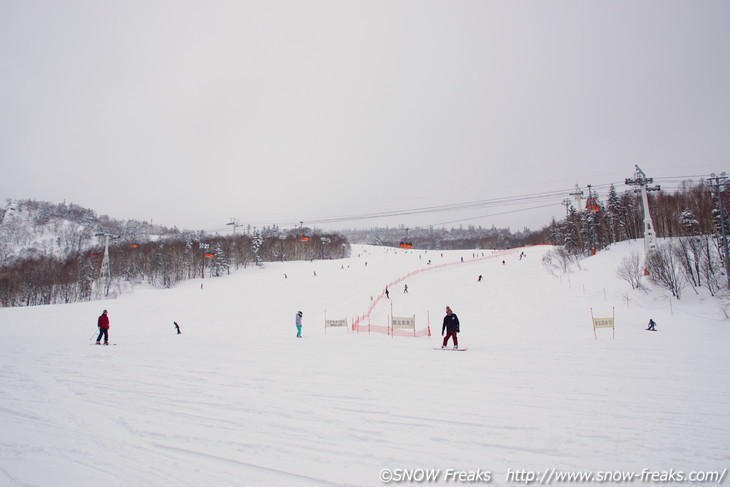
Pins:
x,y
335,323
407,322
602,322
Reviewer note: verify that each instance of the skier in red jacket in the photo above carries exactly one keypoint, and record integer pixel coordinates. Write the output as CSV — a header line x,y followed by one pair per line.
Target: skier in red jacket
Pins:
x,y
103,323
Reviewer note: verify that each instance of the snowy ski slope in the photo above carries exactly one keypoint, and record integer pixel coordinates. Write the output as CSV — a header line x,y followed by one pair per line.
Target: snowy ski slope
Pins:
x,y
237,400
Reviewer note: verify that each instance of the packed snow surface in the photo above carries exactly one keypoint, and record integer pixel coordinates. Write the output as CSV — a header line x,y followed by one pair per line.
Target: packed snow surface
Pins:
x,y
237,399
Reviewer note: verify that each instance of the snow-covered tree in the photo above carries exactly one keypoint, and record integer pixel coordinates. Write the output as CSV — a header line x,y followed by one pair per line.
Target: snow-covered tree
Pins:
x,y
257,242
689,222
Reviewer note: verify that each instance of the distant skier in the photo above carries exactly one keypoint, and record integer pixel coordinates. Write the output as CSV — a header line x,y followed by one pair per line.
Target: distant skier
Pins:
x,y
479,279
405,289
652,325
451,326
103,324
177,327
387,293
298,322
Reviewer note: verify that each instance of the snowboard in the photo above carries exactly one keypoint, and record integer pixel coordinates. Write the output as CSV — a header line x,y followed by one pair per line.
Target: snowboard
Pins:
x,y
451,349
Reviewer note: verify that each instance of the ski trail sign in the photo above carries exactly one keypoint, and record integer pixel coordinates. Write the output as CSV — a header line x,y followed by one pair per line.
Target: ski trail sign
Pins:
x,y
343,323
604,323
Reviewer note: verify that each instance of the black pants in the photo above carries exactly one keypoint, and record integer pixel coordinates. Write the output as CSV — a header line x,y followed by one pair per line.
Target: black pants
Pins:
x,y
103,332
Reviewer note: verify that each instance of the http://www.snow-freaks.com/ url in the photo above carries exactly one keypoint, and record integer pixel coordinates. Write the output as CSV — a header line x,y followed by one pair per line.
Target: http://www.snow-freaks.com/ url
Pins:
x,y
550,476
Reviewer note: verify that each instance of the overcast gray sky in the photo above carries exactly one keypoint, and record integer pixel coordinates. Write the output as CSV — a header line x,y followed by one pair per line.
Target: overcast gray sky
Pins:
x,y
189,113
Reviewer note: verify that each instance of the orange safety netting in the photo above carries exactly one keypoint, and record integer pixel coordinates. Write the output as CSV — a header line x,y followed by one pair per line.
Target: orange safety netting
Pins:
x,y
387,330
361,323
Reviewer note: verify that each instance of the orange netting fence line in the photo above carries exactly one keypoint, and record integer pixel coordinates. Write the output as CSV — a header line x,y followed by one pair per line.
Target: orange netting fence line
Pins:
x,y
361,324
392,331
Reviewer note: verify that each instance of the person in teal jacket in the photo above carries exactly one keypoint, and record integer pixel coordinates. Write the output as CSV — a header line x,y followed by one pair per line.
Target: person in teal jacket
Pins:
x,y
298,321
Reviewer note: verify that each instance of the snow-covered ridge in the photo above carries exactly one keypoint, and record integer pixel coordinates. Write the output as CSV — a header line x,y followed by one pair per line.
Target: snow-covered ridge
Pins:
x,y
31,229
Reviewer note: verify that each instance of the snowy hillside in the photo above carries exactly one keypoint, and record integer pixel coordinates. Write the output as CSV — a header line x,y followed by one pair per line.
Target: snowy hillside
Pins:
x,y
31,229
237,399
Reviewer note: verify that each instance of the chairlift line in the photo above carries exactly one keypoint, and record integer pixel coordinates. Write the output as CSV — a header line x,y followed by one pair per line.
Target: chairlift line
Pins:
x,y
555,197
492,214
443,208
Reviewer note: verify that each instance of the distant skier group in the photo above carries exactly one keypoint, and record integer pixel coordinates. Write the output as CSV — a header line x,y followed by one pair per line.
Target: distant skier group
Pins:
x,y
103,325
449,329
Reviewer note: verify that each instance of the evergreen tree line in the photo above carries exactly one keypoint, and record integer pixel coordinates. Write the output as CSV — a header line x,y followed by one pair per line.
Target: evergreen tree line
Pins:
x,y
691,210
688,222
78,277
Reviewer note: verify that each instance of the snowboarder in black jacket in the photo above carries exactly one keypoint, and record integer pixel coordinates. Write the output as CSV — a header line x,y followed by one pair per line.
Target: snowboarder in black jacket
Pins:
x,y
451,326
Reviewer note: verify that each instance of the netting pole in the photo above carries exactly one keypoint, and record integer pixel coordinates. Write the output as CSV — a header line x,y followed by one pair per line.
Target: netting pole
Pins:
x,y
594,325
391,330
